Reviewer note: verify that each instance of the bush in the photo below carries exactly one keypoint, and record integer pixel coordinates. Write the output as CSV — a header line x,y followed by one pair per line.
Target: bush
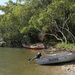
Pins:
x,y
67,46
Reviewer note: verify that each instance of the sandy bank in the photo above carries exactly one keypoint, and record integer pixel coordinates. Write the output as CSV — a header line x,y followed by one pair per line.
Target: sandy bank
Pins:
x,y
66,67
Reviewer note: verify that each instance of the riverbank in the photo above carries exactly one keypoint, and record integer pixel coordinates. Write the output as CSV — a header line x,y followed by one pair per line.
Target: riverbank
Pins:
x,y
66,67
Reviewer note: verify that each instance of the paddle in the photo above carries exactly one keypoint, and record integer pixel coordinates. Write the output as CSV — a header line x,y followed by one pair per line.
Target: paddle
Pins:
x,y
38,55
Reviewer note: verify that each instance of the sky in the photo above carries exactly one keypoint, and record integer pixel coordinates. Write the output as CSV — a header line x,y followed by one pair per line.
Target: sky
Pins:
x,y
2,2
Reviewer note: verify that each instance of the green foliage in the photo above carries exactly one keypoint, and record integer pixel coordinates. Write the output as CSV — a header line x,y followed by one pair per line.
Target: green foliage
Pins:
x,y
23,22
66,46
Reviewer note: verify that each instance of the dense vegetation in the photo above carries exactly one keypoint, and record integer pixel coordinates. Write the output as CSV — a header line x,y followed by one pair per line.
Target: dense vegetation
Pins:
x,y
38,20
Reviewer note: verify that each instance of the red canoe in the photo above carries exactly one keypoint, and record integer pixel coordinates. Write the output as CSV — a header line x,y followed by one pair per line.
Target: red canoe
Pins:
x,y
39,46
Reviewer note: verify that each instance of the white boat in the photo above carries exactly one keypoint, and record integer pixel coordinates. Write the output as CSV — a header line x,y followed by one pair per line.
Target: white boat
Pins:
x,y
39,46
56,58
1,43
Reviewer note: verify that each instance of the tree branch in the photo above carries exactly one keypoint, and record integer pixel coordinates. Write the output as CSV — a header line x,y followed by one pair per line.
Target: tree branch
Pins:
x,y
55,37
58,28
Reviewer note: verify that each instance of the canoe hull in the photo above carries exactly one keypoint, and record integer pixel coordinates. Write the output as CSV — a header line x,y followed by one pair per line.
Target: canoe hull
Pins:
x,y
56,58
41,46
33,47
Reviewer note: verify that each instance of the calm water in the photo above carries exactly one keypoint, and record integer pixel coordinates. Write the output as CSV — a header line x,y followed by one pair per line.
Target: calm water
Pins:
x,y
14,61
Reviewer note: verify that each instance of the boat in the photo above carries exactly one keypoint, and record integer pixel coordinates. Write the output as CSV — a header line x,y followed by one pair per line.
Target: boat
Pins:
x,y
37,46
56,58
1,44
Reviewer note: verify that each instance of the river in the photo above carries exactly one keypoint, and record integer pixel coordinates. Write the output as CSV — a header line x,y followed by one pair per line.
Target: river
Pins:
x,y
14,61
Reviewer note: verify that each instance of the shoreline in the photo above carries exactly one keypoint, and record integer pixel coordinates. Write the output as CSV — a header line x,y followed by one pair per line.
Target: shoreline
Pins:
x,y
66,67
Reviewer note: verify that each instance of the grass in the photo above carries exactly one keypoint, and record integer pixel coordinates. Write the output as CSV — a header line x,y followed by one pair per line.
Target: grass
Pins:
x,y
70,47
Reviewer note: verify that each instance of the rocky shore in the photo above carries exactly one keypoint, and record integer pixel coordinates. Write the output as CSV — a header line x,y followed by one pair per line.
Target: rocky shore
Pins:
x,y
66,67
